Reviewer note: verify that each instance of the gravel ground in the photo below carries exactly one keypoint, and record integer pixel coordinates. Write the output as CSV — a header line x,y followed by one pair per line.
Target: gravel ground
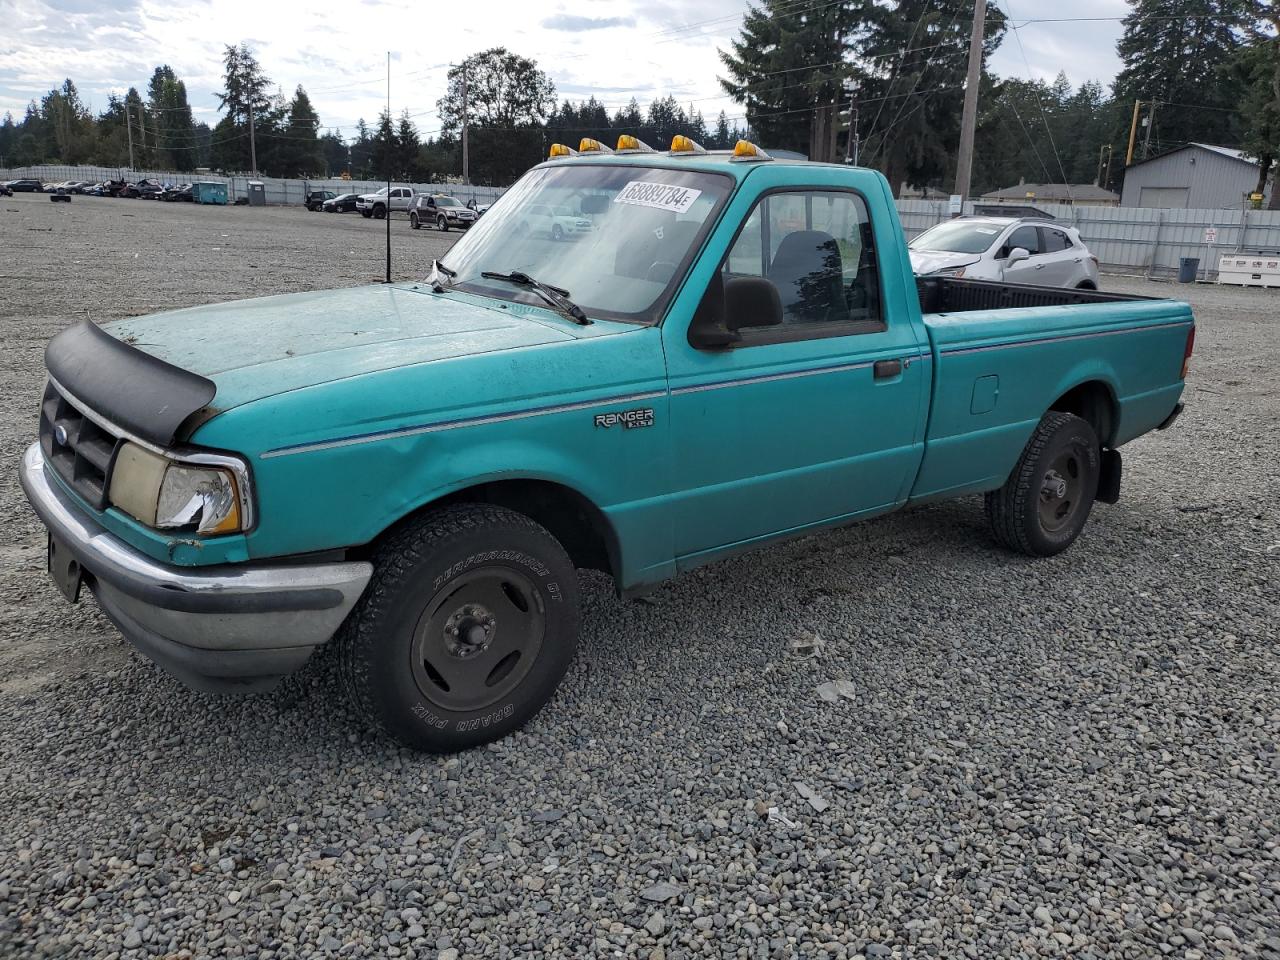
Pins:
x,y
1073,757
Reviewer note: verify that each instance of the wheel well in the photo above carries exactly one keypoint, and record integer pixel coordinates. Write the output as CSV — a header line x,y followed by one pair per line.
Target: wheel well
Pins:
x,y
579,525
1086,285
1093,403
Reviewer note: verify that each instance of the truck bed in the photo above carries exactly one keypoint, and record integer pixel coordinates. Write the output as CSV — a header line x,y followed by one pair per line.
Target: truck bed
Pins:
x,y
947,295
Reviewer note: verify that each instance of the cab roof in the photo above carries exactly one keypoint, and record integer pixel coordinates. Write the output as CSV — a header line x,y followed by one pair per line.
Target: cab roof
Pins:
x,y
713,161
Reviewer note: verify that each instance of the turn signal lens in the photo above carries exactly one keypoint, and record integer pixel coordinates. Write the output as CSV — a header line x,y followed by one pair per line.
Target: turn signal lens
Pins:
x,y
682,144
746,150
1186,354
560,150
630,144
587,145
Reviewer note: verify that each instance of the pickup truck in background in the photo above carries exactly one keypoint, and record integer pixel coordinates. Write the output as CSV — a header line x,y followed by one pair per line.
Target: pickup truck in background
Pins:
x,y
737,352
376,204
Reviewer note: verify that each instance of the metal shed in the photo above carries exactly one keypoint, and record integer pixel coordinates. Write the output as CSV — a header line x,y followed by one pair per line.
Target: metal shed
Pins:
x,y
1198,176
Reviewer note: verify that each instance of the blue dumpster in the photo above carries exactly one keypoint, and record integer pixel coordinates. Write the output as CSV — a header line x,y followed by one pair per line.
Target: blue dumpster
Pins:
x,y
209,192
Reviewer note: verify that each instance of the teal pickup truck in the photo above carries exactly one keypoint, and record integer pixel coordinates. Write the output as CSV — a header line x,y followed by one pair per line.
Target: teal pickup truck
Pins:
x,y
733,351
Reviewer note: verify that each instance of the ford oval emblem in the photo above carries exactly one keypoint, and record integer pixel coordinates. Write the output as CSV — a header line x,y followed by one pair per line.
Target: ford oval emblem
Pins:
x,y
60,434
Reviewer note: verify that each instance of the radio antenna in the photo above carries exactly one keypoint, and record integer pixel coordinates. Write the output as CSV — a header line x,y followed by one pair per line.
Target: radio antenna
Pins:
x,y
389,151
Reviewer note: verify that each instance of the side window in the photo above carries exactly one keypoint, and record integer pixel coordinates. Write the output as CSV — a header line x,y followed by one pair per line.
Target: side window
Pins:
x,y
816,249
1026,237
1055,241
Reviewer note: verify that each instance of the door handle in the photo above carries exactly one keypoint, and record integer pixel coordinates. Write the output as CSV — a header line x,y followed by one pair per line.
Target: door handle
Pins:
x,y
884,369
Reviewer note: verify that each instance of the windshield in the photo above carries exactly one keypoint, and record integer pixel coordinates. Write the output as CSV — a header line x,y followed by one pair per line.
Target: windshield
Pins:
x,y
447,202
959,236
631,233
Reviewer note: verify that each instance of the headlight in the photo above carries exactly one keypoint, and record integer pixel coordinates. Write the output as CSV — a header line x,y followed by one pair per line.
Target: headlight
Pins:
x,y
174,494
955,274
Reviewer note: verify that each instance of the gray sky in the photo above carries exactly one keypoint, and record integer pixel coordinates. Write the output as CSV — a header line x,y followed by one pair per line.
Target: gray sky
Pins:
x,y
613,49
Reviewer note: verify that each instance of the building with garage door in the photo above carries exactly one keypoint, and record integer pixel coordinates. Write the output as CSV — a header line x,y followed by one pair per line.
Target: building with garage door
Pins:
x,y
1198,176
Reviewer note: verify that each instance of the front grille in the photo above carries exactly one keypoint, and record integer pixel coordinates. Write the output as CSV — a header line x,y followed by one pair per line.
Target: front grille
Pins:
x,y
77,448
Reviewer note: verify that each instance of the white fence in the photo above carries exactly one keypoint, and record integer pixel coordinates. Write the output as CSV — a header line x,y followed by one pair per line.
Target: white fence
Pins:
x,y
1140,239
1124,239
278,191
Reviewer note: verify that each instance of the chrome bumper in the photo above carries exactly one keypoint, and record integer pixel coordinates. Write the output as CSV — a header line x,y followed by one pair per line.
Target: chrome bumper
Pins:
x,y
232,627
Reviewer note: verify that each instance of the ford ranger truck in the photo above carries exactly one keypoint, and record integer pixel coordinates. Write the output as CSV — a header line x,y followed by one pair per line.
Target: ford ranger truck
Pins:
x,y
736,353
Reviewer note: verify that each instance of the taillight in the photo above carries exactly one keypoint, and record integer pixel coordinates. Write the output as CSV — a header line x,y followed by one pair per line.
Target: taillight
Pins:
x,y
1186,354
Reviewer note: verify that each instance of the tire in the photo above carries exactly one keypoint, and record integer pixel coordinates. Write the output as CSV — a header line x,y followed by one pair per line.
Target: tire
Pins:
x,y
366,214
442,224
1046,501
413,221
421,650
557,232
379,212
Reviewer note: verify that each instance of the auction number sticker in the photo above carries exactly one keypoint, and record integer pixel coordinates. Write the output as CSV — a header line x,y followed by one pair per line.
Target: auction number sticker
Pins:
x,y
661,196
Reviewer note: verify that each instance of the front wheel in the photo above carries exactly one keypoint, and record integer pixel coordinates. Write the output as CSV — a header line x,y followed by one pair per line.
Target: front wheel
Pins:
x,y
557,232
366,214
442,224
1044,504
466,628
379,212
413,221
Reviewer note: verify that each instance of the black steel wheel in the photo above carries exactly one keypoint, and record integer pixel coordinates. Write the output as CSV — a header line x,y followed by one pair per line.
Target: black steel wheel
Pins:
x,y
1048,497
465,630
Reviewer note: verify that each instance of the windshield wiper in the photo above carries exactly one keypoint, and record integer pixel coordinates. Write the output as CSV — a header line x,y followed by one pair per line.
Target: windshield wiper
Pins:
x,y
438,268
555,296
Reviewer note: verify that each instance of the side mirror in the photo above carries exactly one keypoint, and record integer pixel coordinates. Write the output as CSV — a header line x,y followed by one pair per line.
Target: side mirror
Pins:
x,y
1017,255
751,302
707,330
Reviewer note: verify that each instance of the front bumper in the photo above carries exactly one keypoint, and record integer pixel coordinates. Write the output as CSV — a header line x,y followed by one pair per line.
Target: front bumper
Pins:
x,y
225,628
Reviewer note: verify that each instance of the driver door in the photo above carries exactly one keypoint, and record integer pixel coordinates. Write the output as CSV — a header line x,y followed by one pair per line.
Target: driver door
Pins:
x,y
1029,270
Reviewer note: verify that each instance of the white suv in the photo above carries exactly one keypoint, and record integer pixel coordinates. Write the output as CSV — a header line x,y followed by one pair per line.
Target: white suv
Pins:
x,y
375,204
1043,253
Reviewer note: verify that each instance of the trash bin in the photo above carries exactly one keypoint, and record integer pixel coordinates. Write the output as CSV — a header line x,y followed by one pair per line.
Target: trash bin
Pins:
x,y
257,193
1188,267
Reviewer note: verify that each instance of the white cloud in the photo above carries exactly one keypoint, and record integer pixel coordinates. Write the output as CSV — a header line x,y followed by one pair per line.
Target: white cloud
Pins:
x,y
613,49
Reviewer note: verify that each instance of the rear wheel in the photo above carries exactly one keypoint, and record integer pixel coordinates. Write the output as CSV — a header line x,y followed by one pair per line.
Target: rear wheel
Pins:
x,y
1046,501
413,220
467,627
442,224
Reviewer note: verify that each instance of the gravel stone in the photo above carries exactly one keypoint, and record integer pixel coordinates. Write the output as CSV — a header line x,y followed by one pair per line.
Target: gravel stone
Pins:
x,y
1096,734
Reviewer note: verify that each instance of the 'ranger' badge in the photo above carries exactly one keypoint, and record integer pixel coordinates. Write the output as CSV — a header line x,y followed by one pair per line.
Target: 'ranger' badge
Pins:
x,y
628,419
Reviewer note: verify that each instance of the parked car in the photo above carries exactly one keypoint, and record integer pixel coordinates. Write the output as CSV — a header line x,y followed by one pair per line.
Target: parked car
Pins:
x,y
26,185
5,189
315,199
182,193
144,189
416,474
1006,249
343,203
440,211
479,208
376,204
113,188
555,221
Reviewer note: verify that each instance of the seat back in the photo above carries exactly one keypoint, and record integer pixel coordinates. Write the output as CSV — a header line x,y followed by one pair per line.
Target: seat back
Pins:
x,y
809,274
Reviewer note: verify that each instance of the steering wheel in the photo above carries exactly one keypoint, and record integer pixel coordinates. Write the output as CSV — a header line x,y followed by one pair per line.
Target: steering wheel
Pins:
x,y
661,271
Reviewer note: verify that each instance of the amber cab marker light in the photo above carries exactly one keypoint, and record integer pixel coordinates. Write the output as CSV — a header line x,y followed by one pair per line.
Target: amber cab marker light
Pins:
x,y
560,150
746,150
630,144
682,144
587,145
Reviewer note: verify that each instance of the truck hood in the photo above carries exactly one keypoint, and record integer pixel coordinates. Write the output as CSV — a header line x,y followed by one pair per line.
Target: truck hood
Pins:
x,y
924,262
257,348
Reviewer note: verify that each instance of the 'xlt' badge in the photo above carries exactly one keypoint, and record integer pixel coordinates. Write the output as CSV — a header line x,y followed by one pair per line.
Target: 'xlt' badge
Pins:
x,y
628,419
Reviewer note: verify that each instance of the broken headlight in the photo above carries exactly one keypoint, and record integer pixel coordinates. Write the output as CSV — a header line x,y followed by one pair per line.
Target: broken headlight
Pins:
x,y
205,493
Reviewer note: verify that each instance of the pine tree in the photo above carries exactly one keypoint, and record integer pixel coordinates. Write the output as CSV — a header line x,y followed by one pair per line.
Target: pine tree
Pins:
x,y
790,66
171,121
1172,52
917,54
244,91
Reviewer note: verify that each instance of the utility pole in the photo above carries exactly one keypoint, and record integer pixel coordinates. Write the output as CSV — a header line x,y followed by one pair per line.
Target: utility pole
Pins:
x,y
1151,123
1133,132
969,119
128,124
466,165
253,147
